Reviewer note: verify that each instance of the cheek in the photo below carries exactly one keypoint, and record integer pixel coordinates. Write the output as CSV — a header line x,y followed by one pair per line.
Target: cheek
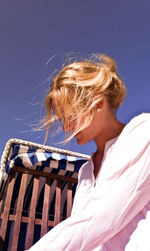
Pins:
x,y
91,132
69,127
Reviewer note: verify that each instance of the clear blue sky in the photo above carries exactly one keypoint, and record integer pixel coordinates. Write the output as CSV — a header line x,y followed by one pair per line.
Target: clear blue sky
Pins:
x,y
32,31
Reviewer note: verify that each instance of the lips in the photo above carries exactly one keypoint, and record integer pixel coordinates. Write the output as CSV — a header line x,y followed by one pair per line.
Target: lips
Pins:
x,y
77,135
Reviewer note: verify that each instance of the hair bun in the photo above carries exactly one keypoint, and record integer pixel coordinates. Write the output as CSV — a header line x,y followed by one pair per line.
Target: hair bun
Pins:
x,y
110,62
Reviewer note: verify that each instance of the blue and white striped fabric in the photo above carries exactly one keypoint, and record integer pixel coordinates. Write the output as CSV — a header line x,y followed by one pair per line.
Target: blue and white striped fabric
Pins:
x,y
25,156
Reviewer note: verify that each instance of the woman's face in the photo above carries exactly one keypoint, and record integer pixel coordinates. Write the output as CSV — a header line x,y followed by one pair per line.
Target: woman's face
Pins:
x,y
92,131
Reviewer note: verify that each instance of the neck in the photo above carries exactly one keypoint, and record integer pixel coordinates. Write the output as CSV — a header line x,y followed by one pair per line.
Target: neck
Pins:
x,y
112,130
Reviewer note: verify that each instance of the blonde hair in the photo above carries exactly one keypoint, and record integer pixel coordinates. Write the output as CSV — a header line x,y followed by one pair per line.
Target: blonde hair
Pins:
x,y
78,88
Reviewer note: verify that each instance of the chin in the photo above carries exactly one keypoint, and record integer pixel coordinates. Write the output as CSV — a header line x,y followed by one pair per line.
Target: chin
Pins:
x,y
81,142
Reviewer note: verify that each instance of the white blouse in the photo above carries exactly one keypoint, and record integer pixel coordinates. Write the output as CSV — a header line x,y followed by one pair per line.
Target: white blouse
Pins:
x,y
111,213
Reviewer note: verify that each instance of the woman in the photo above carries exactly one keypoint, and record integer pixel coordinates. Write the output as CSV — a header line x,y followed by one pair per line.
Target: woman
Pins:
x,y
111,205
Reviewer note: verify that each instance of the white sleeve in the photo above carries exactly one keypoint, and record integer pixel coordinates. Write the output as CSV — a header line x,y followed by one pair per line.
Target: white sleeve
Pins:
x,y
80,194
75,202
104,214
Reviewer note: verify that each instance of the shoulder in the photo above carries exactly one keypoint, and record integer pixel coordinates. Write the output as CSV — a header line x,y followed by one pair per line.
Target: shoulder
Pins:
x,y
143,118
138,127
132,148
135,138
85,172
134,141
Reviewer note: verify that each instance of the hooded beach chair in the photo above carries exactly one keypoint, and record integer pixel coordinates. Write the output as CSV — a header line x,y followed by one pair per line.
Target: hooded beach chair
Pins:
x,y
37,187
